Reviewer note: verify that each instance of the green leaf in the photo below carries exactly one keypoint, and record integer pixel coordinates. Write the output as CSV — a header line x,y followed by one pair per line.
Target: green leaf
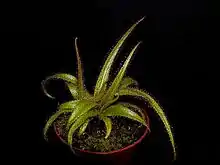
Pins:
x,y
61,76
73,90
86,94
104,74
82,107
69,104
101,94
109,102
81,120
114,86
83,128
53,118
158,109
129,105
120,110
132,106
79,69
108,125
126,82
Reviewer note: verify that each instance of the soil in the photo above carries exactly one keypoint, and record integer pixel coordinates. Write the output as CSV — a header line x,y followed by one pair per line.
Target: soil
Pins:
x,y
124,132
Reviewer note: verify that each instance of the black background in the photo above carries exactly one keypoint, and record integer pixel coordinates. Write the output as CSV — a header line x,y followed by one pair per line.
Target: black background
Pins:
x,y
177,62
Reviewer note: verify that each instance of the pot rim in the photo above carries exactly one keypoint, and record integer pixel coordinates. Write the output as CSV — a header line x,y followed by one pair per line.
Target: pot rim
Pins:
x,y
110,152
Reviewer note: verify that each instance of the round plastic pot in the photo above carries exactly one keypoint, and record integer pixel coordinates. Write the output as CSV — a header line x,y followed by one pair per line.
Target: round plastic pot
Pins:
x,y
116,157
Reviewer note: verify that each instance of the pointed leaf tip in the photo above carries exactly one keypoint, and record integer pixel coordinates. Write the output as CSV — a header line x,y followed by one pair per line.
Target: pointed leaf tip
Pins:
x,y
116,83
108,125
156,107
79,69
142,19
104,74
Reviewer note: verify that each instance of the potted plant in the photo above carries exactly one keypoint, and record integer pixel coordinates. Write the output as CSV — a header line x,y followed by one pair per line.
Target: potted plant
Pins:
x,y
100,124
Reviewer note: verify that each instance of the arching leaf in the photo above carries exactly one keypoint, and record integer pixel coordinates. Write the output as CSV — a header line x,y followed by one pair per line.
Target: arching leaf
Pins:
x,y
61,76
108,125
53,118
132,106
158,109
81,120
73,90
83,127
120,110
104,74
126,82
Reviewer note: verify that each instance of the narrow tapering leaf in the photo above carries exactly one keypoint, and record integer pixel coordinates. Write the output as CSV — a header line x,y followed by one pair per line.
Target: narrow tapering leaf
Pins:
x,y
61,76
101,93
86,94
104,74
120,110
53,118
79,69
109,102
135,107
115,84
158,109
82,107
108,125
69,104
82,129
73,90
81,120
126,82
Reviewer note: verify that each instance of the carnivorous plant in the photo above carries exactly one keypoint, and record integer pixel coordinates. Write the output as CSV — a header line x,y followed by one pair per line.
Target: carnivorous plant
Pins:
x,y
103,103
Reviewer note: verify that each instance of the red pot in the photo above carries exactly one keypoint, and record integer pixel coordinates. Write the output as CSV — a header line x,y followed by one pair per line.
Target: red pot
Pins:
x,y
117,157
